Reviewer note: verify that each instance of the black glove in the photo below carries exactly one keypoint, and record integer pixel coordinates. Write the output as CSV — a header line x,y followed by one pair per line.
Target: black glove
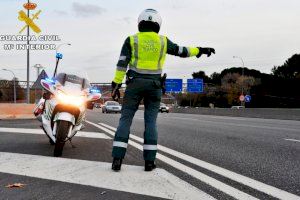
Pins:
x,y
207,51
163,83
115,93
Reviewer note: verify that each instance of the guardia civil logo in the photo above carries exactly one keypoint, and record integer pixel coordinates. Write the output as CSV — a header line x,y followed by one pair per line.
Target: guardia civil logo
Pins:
x,y
29,22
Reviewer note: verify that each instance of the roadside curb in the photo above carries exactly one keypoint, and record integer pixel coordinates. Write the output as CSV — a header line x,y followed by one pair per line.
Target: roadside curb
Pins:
x,y
264,113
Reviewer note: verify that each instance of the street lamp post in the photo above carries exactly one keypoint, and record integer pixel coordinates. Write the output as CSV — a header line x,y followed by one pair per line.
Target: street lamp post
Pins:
x,y
15,92
38,67
28,59
59,46
243,69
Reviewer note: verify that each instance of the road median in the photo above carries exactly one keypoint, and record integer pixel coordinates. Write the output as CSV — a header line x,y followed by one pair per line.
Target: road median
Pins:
x,y
268,113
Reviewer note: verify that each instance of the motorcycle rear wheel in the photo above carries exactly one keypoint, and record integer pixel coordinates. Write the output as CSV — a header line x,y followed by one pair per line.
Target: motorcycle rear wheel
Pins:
x,y
61,134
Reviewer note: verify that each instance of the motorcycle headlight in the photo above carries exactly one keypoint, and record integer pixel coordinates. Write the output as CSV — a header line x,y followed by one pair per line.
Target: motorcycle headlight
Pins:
x,y
71,100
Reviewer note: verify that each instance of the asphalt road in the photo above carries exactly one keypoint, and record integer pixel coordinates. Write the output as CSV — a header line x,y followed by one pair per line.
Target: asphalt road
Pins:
x,y
221,157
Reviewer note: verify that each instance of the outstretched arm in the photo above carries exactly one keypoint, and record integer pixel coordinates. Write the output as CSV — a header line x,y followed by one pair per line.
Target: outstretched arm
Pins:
x,y
184,52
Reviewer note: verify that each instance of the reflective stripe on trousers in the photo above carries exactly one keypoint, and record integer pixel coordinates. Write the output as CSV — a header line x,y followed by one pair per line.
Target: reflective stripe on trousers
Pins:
x,y
120,144
150,147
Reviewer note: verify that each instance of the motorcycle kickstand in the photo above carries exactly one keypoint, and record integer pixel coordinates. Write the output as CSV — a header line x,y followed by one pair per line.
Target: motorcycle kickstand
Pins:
x,y
72,145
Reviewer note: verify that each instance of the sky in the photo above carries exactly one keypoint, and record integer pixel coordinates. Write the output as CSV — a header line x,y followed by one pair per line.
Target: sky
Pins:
x,y
263,33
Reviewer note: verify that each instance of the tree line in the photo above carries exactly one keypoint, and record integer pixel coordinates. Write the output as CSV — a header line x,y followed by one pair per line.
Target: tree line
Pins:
x,y
279,89
7,91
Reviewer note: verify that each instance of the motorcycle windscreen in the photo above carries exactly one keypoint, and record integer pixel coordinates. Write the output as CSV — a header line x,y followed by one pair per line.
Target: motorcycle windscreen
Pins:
x,y
72,82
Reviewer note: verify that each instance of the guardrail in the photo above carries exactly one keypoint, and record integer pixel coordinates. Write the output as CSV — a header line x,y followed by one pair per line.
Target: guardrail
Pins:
x,y
268,113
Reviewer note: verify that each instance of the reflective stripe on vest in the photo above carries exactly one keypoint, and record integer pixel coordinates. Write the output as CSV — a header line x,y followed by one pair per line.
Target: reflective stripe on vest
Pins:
x,y
148,53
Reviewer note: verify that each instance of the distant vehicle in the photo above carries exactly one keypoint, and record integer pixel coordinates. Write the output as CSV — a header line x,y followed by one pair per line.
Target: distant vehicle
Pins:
x,y
163,108
97,105
111,107
237,107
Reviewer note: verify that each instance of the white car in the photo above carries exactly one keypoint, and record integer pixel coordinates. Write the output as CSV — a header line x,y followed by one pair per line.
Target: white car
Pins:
x,y
237,107
163,108
111,107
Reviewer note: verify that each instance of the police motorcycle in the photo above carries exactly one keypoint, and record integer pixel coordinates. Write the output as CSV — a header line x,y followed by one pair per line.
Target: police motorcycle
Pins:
x,y
63,106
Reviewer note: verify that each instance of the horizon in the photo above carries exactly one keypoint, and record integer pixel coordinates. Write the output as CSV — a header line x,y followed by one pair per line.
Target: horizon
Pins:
x,y
264,34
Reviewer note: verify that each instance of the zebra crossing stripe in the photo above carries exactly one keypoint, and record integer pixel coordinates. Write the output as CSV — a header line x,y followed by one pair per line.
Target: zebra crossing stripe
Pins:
x,y
133,179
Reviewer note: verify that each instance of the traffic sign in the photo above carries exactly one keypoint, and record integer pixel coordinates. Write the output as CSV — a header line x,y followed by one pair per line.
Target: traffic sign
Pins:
x,y
247,98
173,85
242,98
195,85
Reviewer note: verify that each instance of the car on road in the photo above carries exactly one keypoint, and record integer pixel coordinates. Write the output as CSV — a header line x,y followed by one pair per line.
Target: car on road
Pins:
x,y
164,108
237,107
97,105
111,107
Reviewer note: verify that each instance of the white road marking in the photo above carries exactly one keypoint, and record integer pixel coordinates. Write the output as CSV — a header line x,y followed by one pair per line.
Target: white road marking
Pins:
x,y
198,175
41,132
140,118
293,140
158,183
235,124
270,190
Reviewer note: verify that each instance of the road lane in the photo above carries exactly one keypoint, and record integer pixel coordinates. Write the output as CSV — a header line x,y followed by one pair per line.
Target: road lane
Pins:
x,y
198,150
25,151
267,189
196,174
133,179
257,151
41,132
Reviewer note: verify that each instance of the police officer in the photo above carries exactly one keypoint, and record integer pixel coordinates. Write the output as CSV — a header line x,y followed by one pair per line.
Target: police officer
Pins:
x,y
145,53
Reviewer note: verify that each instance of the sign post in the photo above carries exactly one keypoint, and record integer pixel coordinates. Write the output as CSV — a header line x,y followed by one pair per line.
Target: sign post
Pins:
x,y
29,24
195,85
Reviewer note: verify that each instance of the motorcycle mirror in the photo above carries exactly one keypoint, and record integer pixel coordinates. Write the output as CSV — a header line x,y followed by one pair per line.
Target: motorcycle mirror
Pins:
x,y
59,55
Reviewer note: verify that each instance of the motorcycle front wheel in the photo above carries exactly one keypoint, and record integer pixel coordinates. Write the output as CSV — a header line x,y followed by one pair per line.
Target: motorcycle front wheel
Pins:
x,y
61,134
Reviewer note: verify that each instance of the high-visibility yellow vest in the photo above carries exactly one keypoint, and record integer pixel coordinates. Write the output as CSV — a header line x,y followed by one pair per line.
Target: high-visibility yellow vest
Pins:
x,y
148,52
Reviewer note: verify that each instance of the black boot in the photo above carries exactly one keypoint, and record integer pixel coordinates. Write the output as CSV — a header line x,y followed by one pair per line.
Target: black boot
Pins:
x,y
116,164
149,165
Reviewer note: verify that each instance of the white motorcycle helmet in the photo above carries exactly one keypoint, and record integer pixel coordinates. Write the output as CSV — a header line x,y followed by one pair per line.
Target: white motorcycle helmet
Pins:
x,y
150,15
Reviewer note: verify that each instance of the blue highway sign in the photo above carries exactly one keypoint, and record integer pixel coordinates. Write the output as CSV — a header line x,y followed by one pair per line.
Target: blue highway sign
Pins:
x,y
173,85
195,85
247,98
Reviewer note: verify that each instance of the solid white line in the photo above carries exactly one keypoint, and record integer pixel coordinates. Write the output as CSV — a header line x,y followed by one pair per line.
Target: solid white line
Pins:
x,y
235,124
21,130
139,118
270,190
292,140
41,132
92,135
158,183
198,175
